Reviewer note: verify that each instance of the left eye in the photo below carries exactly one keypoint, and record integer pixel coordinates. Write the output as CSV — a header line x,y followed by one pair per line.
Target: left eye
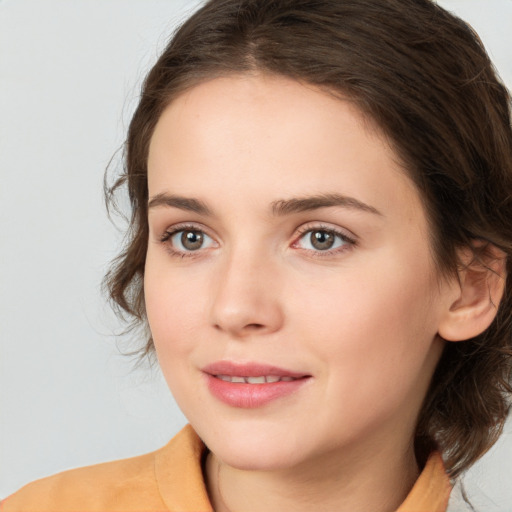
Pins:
x,y
187,240
321,240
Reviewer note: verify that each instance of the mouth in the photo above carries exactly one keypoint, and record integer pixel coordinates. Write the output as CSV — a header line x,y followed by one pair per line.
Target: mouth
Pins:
x,y
251,373
251,385
263,379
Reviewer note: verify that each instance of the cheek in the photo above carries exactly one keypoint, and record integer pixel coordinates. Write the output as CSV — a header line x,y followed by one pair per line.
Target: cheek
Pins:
x,y
375,325
173,305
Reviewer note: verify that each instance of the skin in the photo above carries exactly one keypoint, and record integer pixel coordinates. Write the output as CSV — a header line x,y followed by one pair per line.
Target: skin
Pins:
x,y
361,319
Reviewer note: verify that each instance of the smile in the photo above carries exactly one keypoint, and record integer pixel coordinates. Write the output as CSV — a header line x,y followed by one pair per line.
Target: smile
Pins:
x,y
264,379
251,385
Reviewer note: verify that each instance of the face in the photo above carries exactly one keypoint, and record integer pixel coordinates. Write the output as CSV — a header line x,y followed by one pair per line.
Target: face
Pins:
x,y
289,282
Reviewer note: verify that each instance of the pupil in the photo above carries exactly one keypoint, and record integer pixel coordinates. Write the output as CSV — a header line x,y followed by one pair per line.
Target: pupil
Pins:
x,y
322,240
192,240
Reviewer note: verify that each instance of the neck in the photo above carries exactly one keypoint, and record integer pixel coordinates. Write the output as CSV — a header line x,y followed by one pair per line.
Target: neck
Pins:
x,y
379,481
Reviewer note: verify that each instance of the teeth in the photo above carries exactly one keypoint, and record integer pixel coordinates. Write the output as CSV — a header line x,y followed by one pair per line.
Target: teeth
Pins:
x,y
254,380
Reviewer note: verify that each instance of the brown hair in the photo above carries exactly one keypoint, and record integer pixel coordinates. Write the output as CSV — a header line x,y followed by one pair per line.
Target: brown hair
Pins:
x,y
424,77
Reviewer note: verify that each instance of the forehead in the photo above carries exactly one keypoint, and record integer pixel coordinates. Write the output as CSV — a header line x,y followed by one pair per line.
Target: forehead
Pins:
x,y
266,137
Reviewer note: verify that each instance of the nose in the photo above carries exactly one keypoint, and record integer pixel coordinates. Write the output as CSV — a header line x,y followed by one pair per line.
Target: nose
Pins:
x,y
246,300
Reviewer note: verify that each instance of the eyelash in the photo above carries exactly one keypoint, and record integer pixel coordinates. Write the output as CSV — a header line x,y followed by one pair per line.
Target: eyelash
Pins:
x,y
348,242
169,233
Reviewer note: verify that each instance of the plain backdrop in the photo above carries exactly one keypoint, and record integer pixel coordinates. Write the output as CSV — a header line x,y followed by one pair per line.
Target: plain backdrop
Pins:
x,y
70,72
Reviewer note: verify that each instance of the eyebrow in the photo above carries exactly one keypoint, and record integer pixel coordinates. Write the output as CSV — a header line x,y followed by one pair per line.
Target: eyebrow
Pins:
x,y
304,204
183,203
280,207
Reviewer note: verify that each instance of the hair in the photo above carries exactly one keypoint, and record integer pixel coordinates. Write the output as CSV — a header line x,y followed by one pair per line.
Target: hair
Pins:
x,y
423,76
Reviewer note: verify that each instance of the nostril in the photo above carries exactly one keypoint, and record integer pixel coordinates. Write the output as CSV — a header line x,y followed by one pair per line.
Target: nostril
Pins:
x,y
254,327
245,329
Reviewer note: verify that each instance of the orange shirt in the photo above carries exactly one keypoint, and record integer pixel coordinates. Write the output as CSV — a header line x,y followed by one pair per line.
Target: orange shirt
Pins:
x,y
170,479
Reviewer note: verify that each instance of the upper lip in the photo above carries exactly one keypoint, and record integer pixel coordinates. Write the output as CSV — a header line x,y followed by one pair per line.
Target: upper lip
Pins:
x,y
249,370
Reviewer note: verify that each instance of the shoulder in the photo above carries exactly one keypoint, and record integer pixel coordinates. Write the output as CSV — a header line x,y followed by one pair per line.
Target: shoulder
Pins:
x,y
129,485
98,487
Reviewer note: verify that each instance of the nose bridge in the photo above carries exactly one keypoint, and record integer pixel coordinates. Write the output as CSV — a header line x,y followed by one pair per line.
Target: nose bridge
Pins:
x,y
246,297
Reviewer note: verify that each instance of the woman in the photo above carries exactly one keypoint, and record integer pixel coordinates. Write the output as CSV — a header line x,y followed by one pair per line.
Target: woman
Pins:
x,y
320,241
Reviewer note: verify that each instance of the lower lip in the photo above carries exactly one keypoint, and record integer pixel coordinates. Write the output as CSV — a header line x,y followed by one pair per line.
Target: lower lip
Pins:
x,y
251,396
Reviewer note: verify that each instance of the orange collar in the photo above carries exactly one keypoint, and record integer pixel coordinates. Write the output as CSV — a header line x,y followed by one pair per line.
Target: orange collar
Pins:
x,y
182,487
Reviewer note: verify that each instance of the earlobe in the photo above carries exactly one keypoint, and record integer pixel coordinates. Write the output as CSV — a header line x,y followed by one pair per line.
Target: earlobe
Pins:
x,y
481,287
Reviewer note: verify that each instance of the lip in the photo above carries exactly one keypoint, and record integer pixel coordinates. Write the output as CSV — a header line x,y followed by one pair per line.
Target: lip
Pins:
x,y
249,370
251,396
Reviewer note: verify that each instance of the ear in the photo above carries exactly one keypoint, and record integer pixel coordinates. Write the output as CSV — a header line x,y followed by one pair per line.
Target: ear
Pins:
x,y
480,289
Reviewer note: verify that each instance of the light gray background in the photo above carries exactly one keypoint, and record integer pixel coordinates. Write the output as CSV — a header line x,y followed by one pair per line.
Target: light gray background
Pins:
x,y
70,71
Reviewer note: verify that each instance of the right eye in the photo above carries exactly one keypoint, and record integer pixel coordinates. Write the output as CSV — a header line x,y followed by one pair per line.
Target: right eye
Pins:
x,y
188,240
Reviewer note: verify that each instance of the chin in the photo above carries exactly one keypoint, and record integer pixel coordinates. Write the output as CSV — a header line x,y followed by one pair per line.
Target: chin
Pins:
x,y
254,449
256,458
